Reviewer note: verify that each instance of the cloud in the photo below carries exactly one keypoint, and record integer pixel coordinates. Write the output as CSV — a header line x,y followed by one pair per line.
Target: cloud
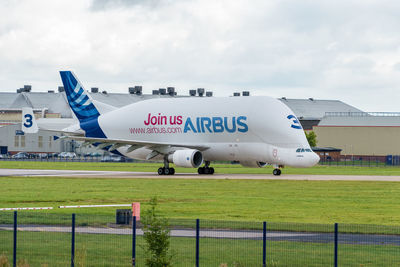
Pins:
x,y
339,50
110,4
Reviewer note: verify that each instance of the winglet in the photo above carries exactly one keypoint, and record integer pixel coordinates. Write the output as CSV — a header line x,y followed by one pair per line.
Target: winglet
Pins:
x,y
29,124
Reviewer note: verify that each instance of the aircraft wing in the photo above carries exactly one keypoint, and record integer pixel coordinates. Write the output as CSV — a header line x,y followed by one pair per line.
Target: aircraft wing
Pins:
x,y
77,133
157,147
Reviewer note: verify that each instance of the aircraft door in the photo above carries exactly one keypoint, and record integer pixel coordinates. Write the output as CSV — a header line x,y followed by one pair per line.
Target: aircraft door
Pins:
x,y
234,152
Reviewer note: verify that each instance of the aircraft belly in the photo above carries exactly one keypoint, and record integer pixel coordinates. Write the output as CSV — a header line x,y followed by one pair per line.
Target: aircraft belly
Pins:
x,y
140,153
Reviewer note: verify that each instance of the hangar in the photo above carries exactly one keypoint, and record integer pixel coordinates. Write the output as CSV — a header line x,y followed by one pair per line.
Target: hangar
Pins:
x,y
310,111
360,134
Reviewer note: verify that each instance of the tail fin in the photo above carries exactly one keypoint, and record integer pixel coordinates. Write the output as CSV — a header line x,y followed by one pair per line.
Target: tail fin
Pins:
x,y
82,105
29,124
78,99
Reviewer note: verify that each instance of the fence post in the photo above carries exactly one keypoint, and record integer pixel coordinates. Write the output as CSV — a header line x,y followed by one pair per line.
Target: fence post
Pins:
x,y
336,245
197,241
15,240
134,241
264,244
73,241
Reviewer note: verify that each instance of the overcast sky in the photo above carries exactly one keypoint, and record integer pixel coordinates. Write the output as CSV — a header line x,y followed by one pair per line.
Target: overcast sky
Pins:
x,y
347,50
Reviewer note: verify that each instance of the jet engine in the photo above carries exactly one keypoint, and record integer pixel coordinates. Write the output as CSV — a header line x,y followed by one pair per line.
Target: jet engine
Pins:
x,y
189,158
253,164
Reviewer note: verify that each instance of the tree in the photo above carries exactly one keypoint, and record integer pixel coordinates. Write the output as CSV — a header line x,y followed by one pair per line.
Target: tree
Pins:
x,y
311,138
157,237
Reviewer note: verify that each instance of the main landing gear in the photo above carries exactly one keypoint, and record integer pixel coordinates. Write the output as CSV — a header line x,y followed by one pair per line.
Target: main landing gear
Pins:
x,y
206,169
277,170
166,170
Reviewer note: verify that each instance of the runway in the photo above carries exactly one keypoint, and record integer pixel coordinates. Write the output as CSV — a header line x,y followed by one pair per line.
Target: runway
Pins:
x,y
150,175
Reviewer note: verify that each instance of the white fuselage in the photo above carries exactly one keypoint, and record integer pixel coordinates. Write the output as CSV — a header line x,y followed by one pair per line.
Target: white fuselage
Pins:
x,y
247,129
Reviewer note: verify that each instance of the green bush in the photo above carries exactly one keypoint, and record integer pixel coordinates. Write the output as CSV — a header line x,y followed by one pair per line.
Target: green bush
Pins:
x,y
157,237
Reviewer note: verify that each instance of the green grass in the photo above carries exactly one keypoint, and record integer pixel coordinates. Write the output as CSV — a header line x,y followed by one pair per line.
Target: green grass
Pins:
x,y
323,202
320,203
220,168
115,250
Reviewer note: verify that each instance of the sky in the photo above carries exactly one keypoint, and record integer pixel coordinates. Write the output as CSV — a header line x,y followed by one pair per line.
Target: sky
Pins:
x,y
343,50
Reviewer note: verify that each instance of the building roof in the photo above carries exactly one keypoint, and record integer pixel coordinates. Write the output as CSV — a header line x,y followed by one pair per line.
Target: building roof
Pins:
x,y
6,99
361,119
57,102
304,109
315,109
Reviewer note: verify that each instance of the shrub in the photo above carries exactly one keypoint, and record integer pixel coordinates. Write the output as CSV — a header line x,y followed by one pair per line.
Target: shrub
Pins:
x,y
4,261
157,237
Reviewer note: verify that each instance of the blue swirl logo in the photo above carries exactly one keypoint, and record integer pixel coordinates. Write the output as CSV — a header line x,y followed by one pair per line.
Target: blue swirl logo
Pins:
x,y
295,122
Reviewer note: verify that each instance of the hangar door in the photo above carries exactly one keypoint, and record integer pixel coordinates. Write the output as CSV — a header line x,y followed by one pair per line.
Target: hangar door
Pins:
x,y
3,150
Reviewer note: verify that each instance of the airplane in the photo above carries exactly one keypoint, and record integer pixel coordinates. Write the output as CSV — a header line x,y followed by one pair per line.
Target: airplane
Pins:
x,y
190,132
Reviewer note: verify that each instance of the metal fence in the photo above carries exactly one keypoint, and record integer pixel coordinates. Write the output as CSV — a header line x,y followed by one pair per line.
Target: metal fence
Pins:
x,y
48,239
361,161
34,157
348,160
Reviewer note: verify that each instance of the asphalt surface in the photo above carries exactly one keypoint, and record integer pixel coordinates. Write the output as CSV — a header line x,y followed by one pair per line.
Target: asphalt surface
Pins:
x,y
118,174
359,239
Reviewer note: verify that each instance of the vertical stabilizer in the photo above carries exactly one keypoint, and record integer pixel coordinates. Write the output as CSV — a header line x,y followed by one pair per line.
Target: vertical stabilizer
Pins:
x,y
29,124
79,100
82,105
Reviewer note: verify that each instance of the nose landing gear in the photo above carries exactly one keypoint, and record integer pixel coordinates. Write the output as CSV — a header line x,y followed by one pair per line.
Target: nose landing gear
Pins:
x,y
277,170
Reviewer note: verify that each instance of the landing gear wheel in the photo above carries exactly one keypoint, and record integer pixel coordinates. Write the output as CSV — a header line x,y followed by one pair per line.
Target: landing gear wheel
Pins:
x,y
277,172
205,170
166,171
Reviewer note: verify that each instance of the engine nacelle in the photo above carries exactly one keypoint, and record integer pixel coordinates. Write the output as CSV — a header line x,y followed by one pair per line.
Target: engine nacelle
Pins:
x,y
253,164
189,158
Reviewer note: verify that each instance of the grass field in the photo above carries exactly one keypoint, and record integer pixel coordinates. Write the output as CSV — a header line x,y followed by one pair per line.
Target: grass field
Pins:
x,y
320,203
115,250
220,168
242,200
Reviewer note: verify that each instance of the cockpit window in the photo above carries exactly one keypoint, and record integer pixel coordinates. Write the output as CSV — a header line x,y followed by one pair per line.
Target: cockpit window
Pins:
x,y
302,150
